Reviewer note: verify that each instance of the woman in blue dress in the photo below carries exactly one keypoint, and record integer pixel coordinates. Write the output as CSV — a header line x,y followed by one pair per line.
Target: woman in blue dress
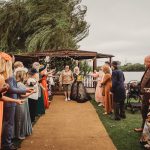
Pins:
x,y
23,126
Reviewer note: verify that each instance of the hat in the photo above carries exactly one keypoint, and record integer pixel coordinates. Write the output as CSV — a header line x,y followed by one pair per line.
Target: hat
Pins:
x,y
42,67
114,63
32,71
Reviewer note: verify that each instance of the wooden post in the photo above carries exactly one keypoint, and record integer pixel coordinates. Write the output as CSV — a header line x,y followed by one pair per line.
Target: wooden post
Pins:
x,y
110,60
94,63
94,68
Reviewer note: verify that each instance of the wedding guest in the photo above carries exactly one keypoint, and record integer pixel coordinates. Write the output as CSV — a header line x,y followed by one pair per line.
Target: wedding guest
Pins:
x,y
118,91
106,85
43,81
78,91
9,108
50,82
98,92
40,102
23,126
3,88
145,83
65,80
33,99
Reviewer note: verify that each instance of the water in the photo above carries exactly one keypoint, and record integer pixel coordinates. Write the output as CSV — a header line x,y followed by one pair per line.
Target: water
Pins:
x,y
133,76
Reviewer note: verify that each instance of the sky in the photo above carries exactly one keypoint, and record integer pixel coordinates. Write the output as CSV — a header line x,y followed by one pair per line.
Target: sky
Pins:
x,y
118,27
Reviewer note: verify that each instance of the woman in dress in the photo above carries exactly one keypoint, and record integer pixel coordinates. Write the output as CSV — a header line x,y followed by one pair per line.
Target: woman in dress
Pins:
x,y
66,79
40,102
106,85
23,126
33,99
98,92
3,88
78,91
43,81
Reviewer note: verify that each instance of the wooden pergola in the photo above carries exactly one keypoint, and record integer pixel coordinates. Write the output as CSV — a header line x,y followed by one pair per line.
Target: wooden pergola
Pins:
x,y
74,54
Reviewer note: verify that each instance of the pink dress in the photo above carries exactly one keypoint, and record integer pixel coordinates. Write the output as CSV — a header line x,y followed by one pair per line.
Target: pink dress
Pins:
x,y
98,92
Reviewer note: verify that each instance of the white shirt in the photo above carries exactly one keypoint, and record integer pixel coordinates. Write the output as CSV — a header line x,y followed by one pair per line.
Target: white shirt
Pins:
x,y
35,86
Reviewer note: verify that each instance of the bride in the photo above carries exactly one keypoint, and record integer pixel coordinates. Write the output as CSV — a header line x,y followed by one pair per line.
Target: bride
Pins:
x,y
78,91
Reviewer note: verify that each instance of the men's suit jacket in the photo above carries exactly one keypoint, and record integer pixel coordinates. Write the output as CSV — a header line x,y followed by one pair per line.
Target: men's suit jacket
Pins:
x,y
145,83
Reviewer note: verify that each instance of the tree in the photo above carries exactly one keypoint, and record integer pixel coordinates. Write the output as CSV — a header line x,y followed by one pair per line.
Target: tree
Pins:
x,y
133,67
85,68
55,24
43,24
13,17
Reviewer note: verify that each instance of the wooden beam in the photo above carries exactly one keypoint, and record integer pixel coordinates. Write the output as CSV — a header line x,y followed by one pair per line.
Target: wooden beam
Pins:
x,y
94,63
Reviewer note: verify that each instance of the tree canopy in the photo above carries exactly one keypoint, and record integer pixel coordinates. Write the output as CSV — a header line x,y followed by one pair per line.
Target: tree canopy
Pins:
x,y
34,25
133,67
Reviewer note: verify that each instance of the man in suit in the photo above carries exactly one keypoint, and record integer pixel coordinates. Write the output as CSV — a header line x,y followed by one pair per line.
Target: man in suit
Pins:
x,y
145,83
118,91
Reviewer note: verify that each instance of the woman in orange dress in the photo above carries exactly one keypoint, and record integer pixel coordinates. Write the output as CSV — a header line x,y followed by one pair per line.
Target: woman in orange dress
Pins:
x,y
107,84
43,81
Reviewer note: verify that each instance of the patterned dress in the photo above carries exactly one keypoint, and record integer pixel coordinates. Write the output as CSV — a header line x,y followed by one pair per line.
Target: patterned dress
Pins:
x,y
78,91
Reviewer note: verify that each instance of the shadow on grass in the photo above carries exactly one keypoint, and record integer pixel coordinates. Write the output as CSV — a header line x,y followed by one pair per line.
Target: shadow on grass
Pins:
x,y
122,132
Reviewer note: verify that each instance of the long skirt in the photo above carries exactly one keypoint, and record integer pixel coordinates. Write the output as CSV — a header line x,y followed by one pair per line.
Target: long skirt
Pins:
x,y
45,92
78,92
107,101
40,104
1,118
23,126
32,108
98,93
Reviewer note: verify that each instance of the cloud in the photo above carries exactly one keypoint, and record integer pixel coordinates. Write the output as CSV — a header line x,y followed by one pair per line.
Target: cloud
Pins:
x,y
119,27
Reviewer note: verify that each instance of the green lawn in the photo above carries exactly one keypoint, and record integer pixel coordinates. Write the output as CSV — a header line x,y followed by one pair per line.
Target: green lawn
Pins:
x,y
121,132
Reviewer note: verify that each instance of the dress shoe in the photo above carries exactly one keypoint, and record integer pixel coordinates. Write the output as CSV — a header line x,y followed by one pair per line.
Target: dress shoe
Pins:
x,y
123,116
11,147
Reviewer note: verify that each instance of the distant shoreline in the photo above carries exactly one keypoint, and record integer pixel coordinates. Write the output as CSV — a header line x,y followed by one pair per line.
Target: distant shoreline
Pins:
x,y
134,71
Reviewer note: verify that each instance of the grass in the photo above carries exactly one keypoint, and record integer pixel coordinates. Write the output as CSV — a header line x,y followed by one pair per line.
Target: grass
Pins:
x,y
122,132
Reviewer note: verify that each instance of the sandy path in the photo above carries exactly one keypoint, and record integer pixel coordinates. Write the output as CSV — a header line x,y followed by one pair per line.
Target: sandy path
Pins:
x,y
68,126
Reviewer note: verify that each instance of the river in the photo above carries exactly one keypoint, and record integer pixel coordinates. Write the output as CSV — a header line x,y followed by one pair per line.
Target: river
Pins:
x,y
133,76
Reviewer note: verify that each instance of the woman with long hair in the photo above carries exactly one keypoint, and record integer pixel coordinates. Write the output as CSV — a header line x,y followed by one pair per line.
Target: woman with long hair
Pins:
x,y
99,98
106,85
23,126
